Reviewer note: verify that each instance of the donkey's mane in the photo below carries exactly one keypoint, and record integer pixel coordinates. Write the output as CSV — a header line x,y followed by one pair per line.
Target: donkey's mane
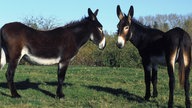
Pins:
x,y
140,24
75,23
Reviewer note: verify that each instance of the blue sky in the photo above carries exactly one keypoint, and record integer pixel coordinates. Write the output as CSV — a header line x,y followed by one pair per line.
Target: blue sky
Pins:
x,y
65,11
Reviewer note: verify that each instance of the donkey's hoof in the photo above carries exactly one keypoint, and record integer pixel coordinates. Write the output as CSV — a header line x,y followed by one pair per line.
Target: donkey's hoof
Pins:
x,y
60,96
16,96
147,98
155,94
188,104
170,104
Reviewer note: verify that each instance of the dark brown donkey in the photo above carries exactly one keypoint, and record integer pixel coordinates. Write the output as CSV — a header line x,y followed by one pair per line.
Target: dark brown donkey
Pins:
x,y
57,46
156,47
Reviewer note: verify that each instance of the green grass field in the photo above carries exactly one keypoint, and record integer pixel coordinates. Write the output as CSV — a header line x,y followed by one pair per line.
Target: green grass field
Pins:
x,y
86,87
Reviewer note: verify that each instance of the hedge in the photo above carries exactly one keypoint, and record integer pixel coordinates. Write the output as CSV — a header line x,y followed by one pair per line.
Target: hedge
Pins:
x,y
111,56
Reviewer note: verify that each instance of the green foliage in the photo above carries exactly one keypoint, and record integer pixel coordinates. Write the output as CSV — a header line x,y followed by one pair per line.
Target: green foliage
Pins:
x,y
188,25
85,55
114,57
111,56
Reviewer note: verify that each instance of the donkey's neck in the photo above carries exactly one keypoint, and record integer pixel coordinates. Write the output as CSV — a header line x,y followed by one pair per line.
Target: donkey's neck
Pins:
x,y
82,34
143,35
138,33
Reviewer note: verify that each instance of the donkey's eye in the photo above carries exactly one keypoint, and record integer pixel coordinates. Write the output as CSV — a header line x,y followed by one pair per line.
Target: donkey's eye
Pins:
x,y
100,29
126,27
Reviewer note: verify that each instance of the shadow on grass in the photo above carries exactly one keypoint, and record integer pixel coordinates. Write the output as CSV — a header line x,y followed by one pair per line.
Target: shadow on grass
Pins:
x,y
119,92
23,85
127,95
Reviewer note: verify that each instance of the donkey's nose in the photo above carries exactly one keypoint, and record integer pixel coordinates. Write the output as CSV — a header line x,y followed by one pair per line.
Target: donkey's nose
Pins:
x,y
119,45
102,44
120,42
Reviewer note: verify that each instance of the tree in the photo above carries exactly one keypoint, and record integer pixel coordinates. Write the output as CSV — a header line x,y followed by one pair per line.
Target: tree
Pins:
x,y
175,20
188,25
156,26
165,27
40,23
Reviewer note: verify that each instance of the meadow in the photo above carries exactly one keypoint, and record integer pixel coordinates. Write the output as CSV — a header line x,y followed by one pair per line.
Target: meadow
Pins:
x,y
86,87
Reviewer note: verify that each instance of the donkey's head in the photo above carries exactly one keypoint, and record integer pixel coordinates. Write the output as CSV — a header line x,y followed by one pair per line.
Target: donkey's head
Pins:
x,y
96,28
123,26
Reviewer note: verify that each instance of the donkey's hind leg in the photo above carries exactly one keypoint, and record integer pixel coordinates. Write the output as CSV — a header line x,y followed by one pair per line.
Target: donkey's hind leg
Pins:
x,y
187,87
10,78
171,53
187,63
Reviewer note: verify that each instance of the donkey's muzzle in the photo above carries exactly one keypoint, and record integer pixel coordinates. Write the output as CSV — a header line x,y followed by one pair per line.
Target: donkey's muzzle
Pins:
x,y
119,45
102,44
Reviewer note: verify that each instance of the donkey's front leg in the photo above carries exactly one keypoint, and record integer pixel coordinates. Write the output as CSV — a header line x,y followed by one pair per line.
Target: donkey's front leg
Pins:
x,y
147,70
62,68
10,79
154,80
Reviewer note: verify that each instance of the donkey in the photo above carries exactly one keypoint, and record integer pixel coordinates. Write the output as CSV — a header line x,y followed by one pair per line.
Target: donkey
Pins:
x,y
156,47
57,46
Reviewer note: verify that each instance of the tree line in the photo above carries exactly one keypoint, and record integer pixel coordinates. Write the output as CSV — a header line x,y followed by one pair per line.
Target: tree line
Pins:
x,y
166,22
111,56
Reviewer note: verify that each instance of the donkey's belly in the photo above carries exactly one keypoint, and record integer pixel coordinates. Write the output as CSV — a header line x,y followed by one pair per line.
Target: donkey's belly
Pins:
x,y
158,59
38,60
41,61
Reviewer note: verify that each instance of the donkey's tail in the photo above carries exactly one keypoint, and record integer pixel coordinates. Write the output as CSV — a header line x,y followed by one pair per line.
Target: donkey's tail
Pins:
x,y
184,59
181,67
2,52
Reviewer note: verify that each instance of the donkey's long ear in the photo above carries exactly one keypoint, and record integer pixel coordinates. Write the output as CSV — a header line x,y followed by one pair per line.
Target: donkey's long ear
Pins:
x,y
96,12
119,13
130,14
91,14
